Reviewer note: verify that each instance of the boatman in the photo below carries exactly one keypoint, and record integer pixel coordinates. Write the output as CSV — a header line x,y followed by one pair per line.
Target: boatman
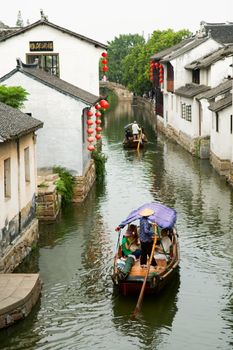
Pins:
x,y
135,130
146,237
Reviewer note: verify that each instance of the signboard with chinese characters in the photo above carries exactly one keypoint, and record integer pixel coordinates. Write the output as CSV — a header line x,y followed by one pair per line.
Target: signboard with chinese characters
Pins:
x,y
41,45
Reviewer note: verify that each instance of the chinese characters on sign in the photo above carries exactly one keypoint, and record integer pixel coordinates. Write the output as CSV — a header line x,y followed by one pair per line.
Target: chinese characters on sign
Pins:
x,y
41,45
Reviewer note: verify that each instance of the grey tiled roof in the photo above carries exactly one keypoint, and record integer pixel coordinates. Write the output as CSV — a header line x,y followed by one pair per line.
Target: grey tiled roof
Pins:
x,y
171,49
55,83
49,24
221,104
191,90
14,123
207,60
221,32
218,90
186,48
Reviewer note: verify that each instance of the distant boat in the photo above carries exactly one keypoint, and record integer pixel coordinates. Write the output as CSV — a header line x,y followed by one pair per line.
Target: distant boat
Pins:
x,y
131,280
130,142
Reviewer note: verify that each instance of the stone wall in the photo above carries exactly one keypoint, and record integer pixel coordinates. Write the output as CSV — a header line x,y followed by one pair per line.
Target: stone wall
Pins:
x,y
20,248
84,183
21,294
223,167
48,201
198,146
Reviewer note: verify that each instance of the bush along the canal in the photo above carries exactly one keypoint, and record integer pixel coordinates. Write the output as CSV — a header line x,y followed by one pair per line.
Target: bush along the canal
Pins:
x,y
65,184
100,160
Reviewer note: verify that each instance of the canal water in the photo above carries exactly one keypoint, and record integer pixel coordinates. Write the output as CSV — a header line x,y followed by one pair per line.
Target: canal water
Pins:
x,y
79,308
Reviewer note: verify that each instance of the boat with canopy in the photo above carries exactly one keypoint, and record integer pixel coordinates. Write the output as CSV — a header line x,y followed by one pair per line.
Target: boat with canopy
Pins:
x,y
127,273
130,142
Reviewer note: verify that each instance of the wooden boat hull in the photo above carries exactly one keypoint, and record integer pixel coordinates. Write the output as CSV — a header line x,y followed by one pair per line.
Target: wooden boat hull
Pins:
x,y
157,279
133,144
153,286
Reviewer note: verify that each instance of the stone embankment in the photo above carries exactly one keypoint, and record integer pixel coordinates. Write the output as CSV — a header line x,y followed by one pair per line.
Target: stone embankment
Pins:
x,y
18,294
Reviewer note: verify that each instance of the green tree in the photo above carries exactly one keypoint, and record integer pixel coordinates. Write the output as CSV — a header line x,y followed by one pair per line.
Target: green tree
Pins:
x,y
19,22
14,96
136,64
118,49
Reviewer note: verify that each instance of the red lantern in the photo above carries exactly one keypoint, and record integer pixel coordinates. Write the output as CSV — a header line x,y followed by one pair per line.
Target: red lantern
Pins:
x,y
89,113
90,131
98,129
97,114
89,122
104,54
97,106
90,148
98,121
98,136
161,81
104,104
90,139
105,68
104,61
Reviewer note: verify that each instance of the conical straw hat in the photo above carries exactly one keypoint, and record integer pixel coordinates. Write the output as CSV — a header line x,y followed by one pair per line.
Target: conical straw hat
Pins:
x,y
146,212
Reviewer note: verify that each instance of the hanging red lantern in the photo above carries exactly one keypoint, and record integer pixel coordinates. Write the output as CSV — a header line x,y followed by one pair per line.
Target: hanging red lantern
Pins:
x,y
98,136
90,139
105,68
90,131
97,106
98,129
89,113
104,61
97,114
104,54
89,122
90,148
104,104
161,81
98,121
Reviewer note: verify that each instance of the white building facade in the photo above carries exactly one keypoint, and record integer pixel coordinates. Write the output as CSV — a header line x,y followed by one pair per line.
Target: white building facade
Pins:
x,y
71,56
18,221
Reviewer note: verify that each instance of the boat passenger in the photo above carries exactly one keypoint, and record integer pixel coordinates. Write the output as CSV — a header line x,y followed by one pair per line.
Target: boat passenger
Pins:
x,y
130,242
162,251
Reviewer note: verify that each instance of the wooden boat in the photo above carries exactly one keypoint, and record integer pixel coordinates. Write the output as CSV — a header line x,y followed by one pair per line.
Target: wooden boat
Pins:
x,y
130,142
158,276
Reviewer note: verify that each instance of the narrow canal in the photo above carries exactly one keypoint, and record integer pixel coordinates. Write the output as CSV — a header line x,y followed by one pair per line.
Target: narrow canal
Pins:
x,y
79,309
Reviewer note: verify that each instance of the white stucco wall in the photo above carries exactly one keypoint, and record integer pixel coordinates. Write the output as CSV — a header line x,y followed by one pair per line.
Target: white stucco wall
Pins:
x,y
79,60
221,142
220,70
23,194
206,118
59,142
182,75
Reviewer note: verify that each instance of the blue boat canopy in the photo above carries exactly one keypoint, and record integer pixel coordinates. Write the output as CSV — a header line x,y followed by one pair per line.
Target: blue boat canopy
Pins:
x,y
163,216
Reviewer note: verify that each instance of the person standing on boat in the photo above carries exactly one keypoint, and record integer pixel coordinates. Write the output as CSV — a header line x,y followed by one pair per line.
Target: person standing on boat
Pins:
x,y
135,130
146,237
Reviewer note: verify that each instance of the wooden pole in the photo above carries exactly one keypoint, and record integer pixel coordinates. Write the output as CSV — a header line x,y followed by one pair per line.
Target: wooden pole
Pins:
x,y
140,298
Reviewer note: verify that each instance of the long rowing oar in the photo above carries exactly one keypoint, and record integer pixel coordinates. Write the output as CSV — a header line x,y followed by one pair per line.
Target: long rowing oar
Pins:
x,y
139,141
140,298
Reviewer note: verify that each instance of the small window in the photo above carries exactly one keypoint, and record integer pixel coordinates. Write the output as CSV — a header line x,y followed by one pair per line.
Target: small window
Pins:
x,y
183,110
217,122
231,124
7,178
26,165
196,76
47,62
189,113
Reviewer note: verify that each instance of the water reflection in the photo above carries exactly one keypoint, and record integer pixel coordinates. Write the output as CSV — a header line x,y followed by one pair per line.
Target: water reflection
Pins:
x,y
78,308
